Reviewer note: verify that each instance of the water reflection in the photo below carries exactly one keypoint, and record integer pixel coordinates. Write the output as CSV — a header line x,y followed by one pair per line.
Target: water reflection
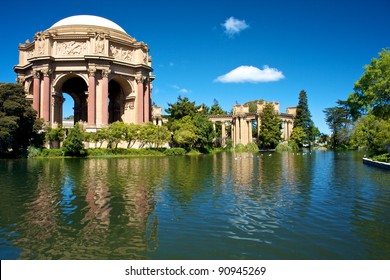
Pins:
x,y
221,206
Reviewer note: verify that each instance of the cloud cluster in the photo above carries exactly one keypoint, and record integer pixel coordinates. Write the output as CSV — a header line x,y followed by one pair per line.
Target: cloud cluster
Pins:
x,y
251,74
234,26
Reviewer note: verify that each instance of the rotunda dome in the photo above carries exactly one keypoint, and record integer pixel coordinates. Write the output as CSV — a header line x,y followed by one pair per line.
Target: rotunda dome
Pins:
x,y
88,20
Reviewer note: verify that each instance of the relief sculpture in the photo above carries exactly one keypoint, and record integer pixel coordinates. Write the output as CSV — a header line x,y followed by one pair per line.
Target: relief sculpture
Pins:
x,y
71,48
121,53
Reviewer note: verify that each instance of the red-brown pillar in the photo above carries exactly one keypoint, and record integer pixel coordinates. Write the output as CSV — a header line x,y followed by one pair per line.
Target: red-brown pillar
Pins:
x,y
146,104
46,96
140,100
36,92
105,97
92,98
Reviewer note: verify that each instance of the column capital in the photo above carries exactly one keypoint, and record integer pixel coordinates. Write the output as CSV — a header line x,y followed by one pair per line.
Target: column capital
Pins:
x,y
106,72
139,78
92,71
46,71
36,74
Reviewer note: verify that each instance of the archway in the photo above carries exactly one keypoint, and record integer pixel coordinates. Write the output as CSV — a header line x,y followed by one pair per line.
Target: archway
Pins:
x,y
118,91
77,89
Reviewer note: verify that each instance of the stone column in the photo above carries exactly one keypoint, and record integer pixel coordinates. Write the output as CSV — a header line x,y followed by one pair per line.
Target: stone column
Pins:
x,y
146,103
105,74
92,97
258,126
238,130
46,95
223,135
140,99
36,92
249,131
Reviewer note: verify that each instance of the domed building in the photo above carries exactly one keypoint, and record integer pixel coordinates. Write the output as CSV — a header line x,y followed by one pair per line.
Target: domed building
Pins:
x,y
105,71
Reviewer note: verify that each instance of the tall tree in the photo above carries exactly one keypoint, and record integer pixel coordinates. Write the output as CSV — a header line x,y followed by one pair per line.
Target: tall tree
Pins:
x,y
303,119
372,90
183,107
216,109
18,124
270,134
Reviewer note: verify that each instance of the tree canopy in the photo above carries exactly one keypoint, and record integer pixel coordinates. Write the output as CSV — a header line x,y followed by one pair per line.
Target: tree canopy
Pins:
x,y
270,134
303,119
372,90
19,127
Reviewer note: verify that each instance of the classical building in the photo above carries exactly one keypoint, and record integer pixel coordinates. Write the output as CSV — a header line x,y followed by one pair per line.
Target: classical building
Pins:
x,y
242,122
105,71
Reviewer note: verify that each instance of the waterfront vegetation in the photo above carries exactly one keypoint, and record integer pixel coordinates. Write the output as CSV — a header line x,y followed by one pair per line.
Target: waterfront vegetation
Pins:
x,y
360,122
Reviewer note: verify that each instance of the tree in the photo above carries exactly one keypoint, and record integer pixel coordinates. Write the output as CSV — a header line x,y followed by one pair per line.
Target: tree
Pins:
x,y
74,142
131,134
183,107
372,90
298,135
338,121
270,134
55,135
216,109
372,134
185,133
303,119
116,132
18,124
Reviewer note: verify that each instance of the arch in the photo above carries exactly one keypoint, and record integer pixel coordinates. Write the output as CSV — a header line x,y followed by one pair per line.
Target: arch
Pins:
x,y
77,88
119,90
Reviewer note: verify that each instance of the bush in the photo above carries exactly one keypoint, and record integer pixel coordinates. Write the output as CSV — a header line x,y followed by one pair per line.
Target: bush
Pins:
x,y
249,148
175,152
52,153
287,146
74,143
33,152
382,158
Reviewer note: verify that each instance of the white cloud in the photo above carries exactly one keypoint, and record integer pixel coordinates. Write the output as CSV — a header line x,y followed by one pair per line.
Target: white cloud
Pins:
x,y
251,74
180,89
234,26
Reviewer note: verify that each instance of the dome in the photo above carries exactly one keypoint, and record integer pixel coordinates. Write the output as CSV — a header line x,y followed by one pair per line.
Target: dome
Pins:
x,y
88,20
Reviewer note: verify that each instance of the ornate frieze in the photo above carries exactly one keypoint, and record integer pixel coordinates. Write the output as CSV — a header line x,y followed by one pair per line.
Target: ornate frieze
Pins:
x,y
99,42
70,48
122,53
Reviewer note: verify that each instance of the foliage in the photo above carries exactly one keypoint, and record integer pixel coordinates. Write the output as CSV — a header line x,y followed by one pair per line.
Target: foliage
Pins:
x,y
115,133
270,134
372,90
382,158
74,142
131,134
303,119
215,109
298,135
372,134
175,152
18,124
183,107
339,122
185,133
205,132
55,134
118,152
248,148
101,136
153,135
287,147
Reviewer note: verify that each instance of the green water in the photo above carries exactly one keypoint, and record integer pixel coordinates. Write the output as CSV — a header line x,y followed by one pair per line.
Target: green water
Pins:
x,y
322,205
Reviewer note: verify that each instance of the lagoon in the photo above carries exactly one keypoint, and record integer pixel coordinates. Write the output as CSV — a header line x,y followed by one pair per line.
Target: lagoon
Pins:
x,y
323,205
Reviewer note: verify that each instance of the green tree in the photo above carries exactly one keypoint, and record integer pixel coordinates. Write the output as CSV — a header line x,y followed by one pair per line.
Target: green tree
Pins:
x,y
372,90
205,130
372,134
215,109
163,135
56,135
303,119
183,107
116,133
101,136
18,124
185,133
298,135
131,134
338,121
74,142
270,134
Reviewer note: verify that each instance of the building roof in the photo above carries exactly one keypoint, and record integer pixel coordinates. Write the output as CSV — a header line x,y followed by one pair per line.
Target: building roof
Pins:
x,y
88,20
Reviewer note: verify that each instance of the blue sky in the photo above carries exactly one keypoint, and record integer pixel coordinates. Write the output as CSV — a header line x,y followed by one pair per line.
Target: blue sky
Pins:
x,y
233,51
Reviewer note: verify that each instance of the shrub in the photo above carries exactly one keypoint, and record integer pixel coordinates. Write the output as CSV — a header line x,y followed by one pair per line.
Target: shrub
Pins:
x,y
382,158
175,152
74,143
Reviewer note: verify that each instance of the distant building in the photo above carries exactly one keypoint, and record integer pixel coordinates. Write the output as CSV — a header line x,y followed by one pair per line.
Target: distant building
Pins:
x,y
105,71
